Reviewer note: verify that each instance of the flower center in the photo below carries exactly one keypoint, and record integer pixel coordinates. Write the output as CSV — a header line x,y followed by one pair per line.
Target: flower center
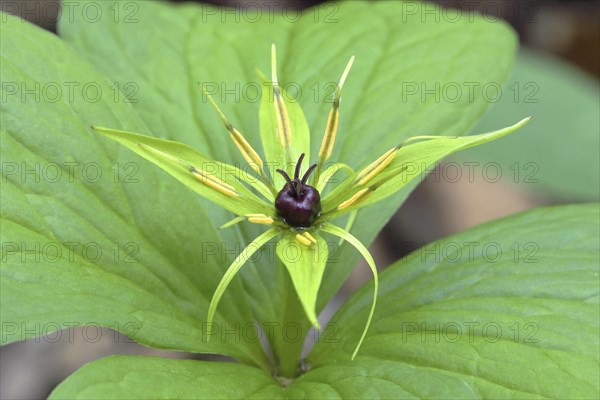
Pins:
x,y
298,204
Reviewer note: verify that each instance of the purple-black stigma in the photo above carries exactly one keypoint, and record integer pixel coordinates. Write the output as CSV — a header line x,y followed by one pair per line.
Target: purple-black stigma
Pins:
x,y
298,204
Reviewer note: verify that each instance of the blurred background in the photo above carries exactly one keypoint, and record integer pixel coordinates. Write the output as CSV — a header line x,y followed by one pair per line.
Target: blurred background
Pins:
x,y
555,79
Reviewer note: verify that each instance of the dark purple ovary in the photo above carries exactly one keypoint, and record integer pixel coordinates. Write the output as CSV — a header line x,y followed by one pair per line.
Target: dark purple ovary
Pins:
x,y
298,211
298,204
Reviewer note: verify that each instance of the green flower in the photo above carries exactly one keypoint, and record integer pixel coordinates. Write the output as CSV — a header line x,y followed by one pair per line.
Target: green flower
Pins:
x,y
297,210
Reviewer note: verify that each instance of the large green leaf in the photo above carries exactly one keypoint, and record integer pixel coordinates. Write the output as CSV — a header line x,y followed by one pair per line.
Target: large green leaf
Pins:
x,y
558,152
508,309
457,319
89,232
121,377
398,47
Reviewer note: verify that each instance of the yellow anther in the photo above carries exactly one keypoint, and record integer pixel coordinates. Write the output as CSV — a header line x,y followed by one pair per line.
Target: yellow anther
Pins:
x,y
259,219
283,122
249,154
303,240
330,133
376,167
247,151
208,180
333,119
310,237
358,196
214,182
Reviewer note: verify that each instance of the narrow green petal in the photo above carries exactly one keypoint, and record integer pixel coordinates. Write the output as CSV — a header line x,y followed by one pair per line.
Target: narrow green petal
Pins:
x,y
305,262
397,167
233,269
245,148
284,130
339,232
218,182
332,123
349,224
296,138
232,222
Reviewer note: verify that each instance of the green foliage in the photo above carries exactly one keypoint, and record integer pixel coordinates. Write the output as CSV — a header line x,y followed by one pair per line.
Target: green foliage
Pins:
x,y
101,245
498,311
375,114
177,159
509,309
412,161
161,256
121,377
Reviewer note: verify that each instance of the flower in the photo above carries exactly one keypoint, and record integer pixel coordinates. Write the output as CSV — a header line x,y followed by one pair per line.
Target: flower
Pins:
x,y
293,205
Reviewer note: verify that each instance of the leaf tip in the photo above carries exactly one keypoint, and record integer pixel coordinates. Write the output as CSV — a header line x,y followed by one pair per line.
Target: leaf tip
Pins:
x,y
521,123
345,74
273,64
98,129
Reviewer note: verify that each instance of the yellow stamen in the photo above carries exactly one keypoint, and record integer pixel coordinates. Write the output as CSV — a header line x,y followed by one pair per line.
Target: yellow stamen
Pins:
x,y
283,124
330,133
310,237
332,121
303,240
249,154
260,219
376,167
247,151
214,182
208,180
358,196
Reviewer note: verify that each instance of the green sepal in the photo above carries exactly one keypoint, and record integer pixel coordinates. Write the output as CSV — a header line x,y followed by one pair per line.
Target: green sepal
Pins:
x,y
275,153
306,265
411,161
342,234
175,157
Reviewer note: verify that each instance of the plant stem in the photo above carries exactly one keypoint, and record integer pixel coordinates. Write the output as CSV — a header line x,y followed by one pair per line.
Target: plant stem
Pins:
x,y
288,341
